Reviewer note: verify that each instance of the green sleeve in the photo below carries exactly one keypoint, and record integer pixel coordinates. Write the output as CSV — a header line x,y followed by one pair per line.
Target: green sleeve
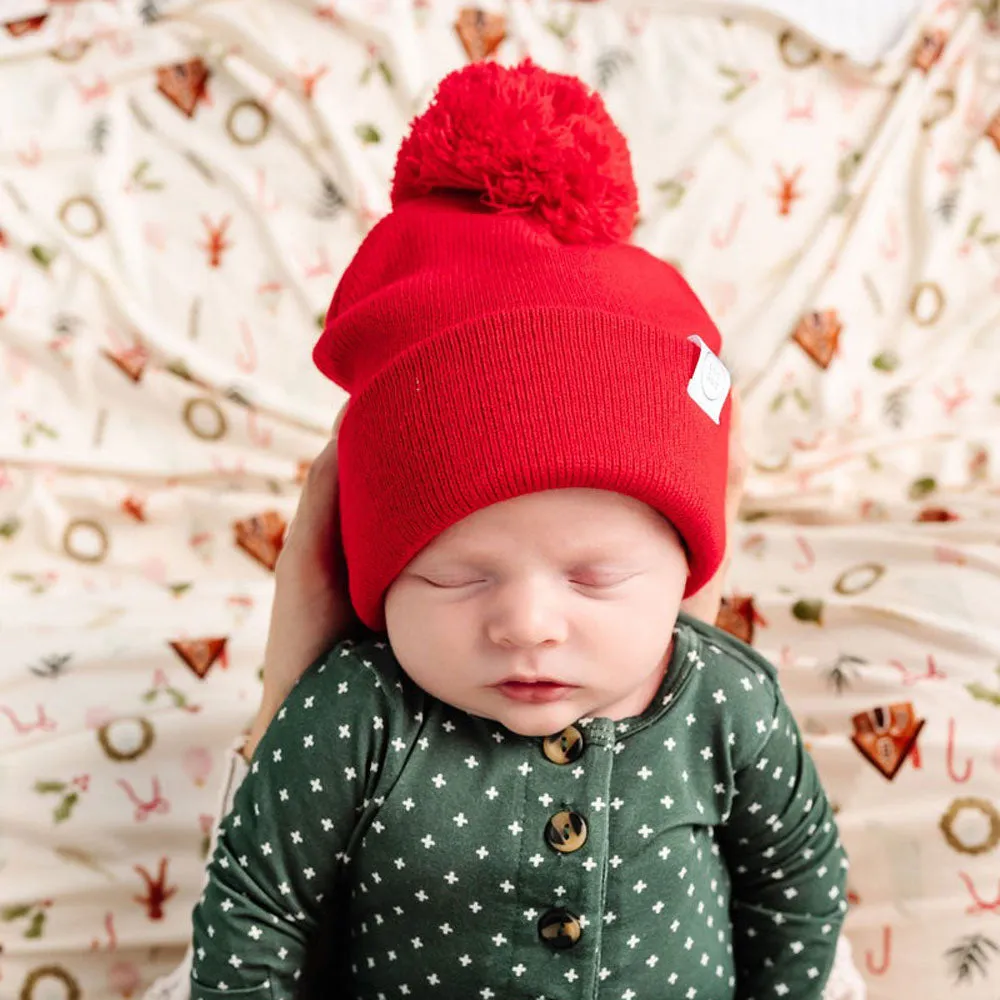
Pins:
x,y
280,847
783,850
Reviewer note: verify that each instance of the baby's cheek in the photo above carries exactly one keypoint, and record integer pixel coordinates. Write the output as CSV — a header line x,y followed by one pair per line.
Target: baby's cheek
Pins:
x,y
420,623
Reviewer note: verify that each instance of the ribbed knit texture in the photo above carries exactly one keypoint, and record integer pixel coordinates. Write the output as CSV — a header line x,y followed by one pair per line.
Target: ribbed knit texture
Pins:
x,y
485,360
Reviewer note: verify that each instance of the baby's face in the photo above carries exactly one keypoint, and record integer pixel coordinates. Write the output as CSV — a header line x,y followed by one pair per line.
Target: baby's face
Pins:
x,y
578,588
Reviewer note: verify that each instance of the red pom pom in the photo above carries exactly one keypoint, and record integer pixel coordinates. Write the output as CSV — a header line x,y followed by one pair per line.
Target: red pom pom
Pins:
x,y
530,141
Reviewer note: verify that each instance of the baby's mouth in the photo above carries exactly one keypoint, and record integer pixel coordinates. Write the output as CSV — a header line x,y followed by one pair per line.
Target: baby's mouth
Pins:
x,y
536,691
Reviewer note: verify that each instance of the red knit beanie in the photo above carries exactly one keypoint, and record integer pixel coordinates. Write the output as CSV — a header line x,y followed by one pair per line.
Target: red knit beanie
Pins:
x,y
498,336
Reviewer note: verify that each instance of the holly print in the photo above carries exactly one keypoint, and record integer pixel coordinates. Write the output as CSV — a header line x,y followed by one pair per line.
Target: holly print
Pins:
x,y
68,793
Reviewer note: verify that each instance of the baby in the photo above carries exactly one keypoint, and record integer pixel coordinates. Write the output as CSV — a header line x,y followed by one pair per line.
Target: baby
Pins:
x,y
537,778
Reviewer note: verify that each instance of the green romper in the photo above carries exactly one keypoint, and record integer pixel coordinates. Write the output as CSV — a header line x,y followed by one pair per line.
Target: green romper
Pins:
x,y
686,853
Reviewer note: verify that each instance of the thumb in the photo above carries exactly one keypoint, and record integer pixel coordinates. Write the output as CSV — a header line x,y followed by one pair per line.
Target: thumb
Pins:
x,y
317,510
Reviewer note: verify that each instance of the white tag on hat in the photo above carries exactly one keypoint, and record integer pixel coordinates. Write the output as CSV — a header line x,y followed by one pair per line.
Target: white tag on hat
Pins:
x,y
711,381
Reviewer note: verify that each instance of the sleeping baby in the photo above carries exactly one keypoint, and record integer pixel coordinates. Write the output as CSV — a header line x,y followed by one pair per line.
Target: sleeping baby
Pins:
x,y
536,777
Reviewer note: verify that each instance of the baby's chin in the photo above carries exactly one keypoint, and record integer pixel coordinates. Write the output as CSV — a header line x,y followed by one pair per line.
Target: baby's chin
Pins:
x,y
532,721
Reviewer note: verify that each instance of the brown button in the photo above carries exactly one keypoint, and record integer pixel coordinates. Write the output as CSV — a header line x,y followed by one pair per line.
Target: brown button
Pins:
x,y
566,832
564,747
559,929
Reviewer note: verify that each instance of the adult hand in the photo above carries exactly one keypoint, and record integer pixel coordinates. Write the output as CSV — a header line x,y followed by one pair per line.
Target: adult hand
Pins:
x,y
311,610
706,603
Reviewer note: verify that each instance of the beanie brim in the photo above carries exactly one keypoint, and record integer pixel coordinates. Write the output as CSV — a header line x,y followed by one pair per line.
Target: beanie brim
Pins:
x,y
622,422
